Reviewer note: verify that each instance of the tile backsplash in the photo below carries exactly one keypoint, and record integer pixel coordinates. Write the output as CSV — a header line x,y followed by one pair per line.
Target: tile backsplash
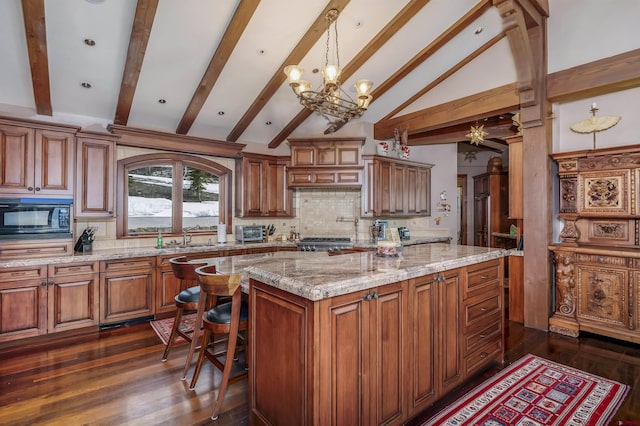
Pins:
x,y
318,213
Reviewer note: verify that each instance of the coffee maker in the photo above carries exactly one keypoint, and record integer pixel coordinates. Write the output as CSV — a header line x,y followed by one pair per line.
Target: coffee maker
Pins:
x,y
379,230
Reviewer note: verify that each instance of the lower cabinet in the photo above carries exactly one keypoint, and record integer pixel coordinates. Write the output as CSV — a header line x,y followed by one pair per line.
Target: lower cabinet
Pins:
x,y
127,289
37,300
378,356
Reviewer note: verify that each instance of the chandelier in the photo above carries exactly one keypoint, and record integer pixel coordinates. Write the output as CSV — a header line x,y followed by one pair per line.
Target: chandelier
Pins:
x,y
330,100
476,134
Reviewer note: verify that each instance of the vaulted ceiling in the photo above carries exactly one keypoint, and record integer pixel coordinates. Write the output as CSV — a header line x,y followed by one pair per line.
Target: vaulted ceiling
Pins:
x,y
213,69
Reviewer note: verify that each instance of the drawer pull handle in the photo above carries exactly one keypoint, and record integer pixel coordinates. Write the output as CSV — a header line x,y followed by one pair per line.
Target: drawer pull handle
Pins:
x,y
18,274
483,355
482,336
484,277
483,309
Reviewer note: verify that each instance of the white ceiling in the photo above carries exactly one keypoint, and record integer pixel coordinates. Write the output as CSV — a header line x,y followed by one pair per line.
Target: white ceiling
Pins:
x,y
185,35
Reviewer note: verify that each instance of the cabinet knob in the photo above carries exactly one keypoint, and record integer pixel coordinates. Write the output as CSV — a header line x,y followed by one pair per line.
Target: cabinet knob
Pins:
x,y
37,188
43,284
29,188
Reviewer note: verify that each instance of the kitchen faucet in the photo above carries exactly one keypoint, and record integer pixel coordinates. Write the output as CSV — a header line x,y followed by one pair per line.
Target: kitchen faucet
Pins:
x,y
186,239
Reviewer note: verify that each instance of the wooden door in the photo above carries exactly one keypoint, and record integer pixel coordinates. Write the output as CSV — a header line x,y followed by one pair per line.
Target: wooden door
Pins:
x,y
95,178
423,358
54,163
390,346
449,312
73,302
16,160
23,302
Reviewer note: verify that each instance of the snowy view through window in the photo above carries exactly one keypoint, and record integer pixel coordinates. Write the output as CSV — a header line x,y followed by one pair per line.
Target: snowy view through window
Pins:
x,y
151,208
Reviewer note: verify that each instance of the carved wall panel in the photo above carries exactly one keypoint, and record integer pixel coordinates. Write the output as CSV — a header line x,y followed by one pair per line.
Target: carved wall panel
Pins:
x,y
604,193
602,295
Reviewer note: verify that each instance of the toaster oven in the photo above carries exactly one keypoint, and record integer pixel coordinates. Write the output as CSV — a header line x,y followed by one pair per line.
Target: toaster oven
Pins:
x,y
250,233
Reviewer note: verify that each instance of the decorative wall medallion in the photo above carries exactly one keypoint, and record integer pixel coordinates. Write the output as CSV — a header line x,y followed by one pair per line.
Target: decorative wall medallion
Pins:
x,y
604,192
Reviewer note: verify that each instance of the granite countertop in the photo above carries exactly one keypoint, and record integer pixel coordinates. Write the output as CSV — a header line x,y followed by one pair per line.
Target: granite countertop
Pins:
x,y
316,276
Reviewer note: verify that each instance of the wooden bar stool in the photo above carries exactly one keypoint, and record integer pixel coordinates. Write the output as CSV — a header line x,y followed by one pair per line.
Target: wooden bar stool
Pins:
x,y
186,300
226,318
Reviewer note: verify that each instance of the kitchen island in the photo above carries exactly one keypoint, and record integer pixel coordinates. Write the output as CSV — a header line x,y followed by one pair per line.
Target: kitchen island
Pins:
x,y
362,339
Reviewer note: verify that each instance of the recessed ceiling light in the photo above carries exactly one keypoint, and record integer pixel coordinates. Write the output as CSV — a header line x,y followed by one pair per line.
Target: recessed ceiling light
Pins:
x,y
479,30
261,52
162,101
89,42
268,123
85,85
220,112
95,1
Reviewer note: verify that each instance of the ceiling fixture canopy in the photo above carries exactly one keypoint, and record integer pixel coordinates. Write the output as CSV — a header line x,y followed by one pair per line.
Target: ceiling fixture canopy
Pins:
x,y
330,100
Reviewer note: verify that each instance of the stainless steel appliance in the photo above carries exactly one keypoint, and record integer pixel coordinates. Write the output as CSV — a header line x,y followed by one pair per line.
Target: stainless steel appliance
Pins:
x,y
35,218
404,234
250,233
324,243
379,230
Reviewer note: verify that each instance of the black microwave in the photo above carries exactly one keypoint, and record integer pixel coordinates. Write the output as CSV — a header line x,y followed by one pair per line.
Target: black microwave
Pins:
x,y
35,218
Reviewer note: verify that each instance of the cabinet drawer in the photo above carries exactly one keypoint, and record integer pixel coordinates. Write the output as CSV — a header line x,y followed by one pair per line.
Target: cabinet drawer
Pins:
x,y
73,269
23,273
35,250
480,358
482,278
128,264
164,259
325,177
476,313
486,335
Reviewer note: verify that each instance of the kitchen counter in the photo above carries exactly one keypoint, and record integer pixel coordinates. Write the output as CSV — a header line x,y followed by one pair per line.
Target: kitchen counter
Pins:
x,y
317,276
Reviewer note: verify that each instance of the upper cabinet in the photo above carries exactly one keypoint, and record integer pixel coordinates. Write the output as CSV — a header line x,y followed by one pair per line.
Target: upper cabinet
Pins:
x,y
325,162
95,175
261,186
395,188
36,161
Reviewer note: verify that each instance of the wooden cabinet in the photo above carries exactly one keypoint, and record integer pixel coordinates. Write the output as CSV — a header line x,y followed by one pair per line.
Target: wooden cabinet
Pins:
x,y
261,186
377,356
72,296
36,300
23,302
325,162
36,161
396,188
34,249
126,289
596,281
95,175
490,208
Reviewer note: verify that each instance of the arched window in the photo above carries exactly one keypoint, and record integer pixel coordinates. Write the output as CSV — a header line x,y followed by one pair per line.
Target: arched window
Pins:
x,y
170,193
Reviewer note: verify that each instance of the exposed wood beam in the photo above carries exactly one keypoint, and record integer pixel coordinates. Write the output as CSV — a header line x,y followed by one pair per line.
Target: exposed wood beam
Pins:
x,y
36,34
619,72
442,77
140,31
372,47
514,25
495,101
238,24
310,38
440,41
496,128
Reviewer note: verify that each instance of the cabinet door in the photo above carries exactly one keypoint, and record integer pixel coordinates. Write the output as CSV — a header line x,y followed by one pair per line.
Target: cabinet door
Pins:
x,y
390,345
399,188
73,302
254,187
126,289
16,160
54,170
23,303
279,197
603,295
449,315
424,348
95,178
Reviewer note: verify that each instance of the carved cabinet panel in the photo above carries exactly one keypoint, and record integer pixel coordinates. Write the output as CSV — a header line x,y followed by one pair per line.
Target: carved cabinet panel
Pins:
x,y
602,295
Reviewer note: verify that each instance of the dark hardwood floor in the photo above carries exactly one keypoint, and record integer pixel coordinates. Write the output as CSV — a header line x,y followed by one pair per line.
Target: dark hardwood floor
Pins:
x,y
116,378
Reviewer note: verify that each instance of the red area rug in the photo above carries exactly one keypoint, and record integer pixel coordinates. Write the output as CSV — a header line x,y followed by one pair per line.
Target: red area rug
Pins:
x,y
535,391
163,327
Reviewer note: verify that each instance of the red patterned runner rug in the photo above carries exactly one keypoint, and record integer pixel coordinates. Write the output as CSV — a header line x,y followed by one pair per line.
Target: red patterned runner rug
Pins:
x,y
535,391
163,327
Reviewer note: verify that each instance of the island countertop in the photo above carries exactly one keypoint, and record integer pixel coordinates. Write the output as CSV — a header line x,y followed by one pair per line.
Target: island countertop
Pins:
x,y
317,276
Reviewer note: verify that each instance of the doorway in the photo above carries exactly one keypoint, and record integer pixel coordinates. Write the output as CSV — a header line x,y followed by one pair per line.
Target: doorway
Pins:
x,y
462,209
